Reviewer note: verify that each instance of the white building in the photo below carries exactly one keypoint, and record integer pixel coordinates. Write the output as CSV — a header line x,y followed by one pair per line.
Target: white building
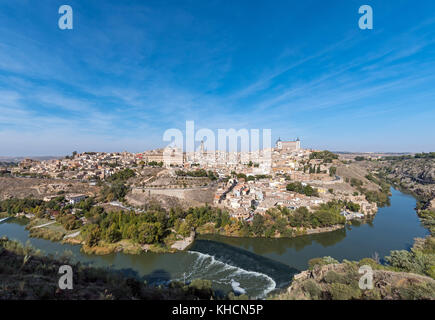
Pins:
x,y
75,198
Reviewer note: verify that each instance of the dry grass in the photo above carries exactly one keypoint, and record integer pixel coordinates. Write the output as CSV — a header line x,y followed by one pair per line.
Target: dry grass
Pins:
x,y
20,188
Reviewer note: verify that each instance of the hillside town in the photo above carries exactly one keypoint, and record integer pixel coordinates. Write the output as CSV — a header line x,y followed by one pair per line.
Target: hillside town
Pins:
x,y
245,184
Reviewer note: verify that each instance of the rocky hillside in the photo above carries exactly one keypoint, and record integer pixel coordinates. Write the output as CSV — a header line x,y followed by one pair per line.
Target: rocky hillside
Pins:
x,y
415,175
407,275
339,281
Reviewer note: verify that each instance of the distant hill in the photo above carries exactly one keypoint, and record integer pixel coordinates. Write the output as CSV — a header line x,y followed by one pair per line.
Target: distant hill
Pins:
x,y
373,153
18,159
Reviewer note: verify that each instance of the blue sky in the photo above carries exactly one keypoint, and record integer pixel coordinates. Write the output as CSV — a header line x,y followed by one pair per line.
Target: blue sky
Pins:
x,y
129,70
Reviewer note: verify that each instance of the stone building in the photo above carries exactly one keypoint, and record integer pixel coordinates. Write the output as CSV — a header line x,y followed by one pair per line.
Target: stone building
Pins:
x,y
288,146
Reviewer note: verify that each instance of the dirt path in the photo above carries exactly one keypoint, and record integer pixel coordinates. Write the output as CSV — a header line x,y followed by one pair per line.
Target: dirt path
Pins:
x,y
72,235
44,225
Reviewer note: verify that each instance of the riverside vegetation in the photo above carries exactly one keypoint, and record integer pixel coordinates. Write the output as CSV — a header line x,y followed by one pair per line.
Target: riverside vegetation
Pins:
x,y
156,229
107,231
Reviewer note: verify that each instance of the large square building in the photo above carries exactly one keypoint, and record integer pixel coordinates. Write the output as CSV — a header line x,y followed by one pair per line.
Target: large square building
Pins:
x,y
288,146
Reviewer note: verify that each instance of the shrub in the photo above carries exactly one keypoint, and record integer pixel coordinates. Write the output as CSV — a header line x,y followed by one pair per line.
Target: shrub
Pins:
x,y
321,262
420,291
411,261
333,277
232,296
299,188
341,291
368,261
200,288
312,289
332,171
326,155
92,234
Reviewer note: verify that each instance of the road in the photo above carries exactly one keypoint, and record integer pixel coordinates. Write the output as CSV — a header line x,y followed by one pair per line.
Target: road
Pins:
x,y
72,235
44,225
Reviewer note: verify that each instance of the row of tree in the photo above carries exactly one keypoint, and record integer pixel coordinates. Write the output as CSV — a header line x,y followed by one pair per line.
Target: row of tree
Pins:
x,y
326,156
282,221
197,173
151,227
300,188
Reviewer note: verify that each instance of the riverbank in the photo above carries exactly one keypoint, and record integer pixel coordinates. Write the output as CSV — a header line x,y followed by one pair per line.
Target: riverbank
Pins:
x,y
46,229
159,230
296,232
125,246
406,275
253,262
276,224
183,244
51,230
129,247
54,231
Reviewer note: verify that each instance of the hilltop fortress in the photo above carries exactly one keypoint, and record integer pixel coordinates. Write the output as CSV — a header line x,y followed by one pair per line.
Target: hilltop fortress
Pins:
x,y
288,146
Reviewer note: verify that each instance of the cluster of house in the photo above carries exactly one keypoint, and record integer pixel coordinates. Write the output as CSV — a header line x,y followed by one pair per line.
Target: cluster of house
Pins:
x,y
70,199
216,160
91,165
84,166
243,198
289,164
271,169
246,197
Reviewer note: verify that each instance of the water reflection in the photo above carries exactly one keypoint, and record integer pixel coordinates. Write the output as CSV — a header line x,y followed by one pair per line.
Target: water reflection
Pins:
x,y
263,246
393,228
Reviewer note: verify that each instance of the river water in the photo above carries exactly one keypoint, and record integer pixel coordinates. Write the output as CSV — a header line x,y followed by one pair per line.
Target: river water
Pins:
x,y
255,266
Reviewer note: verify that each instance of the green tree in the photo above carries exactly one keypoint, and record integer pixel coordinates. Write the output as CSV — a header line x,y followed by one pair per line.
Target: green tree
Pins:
x,y
332,171
258,225
92,234
149,232
113,234
184,229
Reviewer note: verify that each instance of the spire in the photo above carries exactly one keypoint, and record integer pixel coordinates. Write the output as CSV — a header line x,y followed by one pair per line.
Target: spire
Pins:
x,y
202,146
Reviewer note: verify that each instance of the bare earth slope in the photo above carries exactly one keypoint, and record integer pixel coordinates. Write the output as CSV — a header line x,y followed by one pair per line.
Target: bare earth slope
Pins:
x,y
11,187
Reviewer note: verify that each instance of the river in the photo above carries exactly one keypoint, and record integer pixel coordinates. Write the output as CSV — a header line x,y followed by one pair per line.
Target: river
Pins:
x,y
255,266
